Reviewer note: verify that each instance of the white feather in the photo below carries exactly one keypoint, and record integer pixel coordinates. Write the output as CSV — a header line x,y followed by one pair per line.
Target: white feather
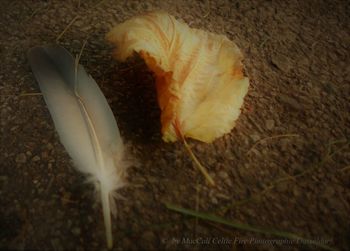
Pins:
x,y
84,122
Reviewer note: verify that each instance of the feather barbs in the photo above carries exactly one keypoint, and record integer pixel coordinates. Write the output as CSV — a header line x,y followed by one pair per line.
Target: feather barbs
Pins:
x,y
84,122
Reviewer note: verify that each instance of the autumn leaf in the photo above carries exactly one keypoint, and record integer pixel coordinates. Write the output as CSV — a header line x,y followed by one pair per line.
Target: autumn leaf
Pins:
x,y
199,79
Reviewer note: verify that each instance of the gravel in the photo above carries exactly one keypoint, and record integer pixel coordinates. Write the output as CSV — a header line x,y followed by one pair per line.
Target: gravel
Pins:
x,y
296,57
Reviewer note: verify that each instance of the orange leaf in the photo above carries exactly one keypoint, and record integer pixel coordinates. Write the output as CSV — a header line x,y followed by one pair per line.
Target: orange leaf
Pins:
x,y
199,79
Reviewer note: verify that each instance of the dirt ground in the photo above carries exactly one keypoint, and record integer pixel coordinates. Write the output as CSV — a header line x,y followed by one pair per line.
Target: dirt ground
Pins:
x,y
285,166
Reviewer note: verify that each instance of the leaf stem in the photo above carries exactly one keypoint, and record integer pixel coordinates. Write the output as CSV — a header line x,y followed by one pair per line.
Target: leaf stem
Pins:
x,y
201,168
198,164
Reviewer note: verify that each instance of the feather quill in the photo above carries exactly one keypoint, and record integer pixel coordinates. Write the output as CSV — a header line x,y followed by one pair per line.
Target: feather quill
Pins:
x,y
84,122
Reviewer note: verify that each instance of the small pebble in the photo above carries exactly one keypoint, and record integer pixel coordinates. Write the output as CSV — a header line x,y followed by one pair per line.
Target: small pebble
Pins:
x,y
21,158
291,102
56,244
36,158
149,236
223,175
281,63
76,231
255,137
270,124
329,191
214,200
282,187
296,191
44,155
90,219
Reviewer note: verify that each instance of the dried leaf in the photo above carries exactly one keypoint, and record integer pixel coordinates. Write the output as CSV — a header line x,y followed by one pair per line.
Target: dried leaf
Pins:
x,y
199,77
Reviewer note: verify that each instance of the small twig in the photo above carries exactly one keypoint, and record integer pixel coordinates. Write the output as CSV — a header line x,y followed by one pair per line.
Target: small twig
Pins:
x,y
224,209
8,95
22,94
97,4
328,156
34,12
193,157
82,49
30,94
272,137
345,169
257,126
67,201
49,185
207,14
67,27
264,41
76,17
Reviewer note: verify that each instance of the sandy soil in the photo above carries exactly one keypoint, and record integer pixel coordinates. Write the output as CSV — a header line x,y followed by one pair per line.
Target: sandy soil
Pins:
x,y
297,57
